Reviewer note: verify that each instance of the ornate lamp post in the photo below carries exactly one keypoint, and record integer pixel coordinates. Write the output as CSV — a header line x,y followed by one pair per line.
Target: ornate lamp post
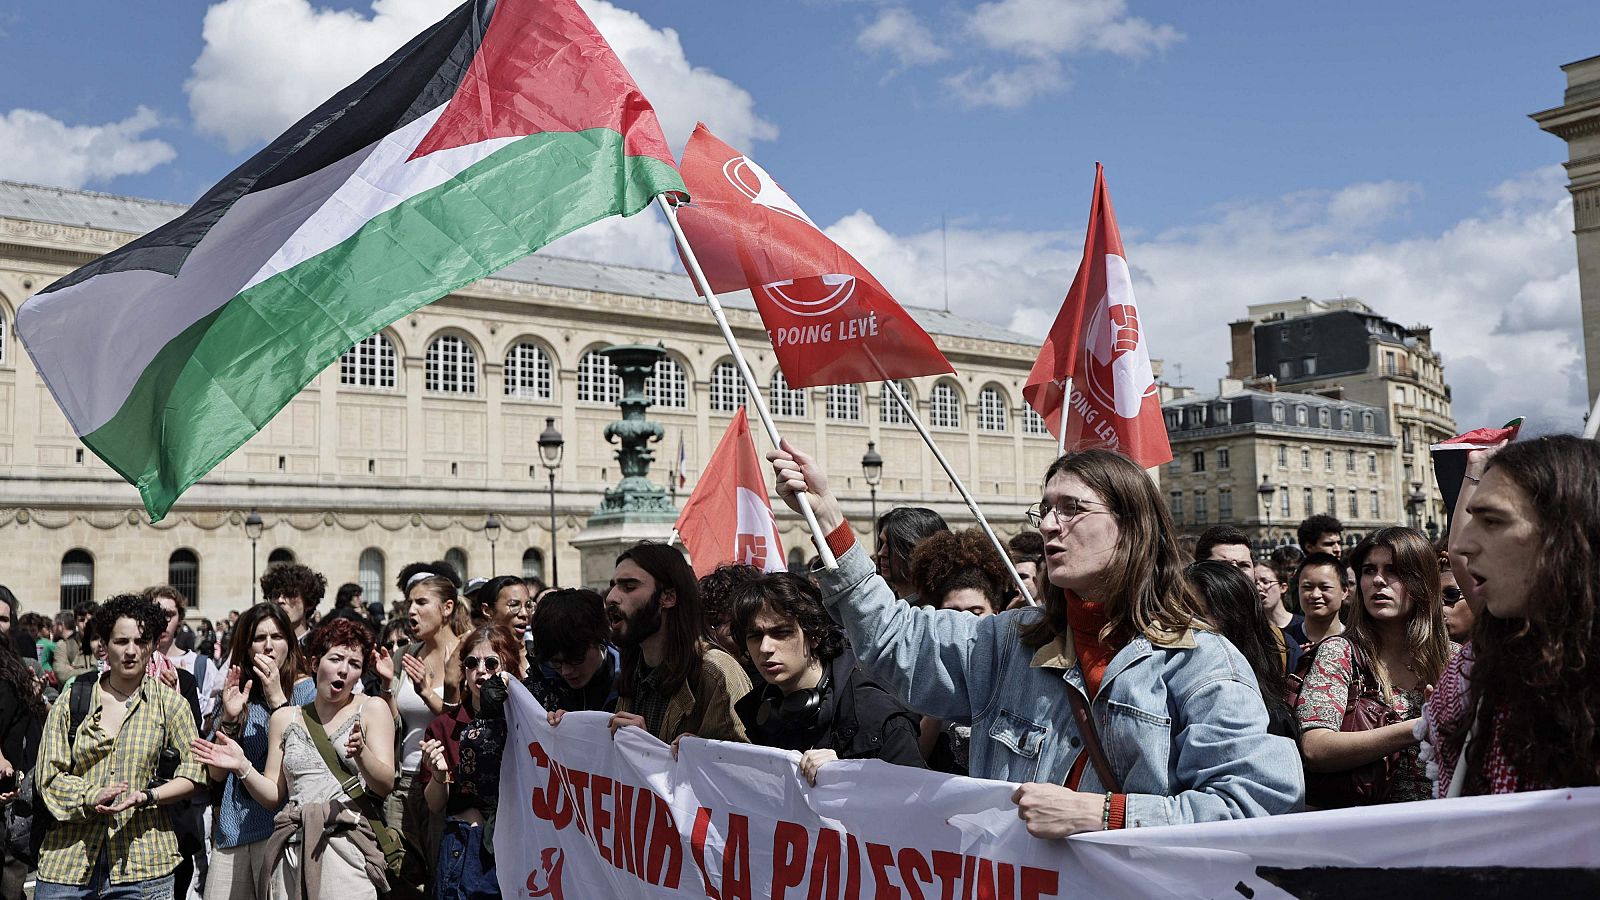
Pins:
x,y
491,530
1415,502
1267,489
872,471
252,530
550,446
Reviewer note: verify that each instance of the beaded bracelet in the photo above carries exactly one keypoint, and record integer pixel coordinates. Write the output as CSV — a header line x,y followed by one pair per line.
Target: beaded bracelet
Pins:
x,y
1105,814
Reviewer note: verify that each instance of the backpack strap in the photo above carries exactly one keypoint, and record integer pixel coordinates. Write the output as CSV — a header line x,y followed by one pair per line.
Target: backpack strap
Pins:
x,y
319,738
78,704
1083,717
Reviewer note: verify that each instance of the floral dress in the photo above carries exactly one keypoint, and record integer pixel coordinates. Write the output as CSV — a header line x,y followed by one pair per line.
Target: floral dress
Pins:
x,y
1322,705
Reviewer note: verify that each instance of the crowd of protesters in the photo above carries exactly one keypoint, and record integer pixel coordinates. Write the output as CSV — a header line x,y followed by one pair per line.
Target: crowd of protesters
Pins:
x,y
1151,678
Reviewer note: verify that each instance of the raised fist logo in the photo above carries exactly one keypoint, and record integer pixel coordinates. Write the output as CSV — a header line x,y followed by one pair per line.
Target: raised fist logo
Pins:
x,y
545,881
1118,364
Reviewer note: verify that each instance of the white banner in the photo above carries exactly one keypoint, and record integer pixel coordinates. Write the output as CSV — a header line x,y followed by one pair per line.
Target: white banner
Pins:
x,y
583,816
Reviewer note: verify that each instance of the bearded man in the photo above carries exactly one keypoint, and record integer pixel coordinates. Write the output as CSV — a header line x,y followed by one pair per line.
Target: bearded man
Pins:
x,y
673,681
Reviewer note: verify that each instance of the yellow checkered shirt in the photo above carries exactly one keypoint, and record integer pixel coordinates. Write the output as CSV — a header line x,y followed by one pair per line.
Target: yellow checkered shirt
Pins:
x,y
142,843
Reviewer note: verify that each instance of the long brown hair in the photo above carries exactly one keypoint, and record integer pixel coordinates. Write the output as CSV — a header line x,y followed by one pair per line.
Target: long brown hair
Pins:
x,y
685,623
1144,588
1418,565
1538,677
239,654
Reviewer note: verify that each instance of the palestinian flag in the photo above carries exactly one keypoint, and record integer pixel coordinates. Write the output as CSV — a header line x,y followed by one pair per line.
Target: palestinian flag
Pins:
x,y
503,127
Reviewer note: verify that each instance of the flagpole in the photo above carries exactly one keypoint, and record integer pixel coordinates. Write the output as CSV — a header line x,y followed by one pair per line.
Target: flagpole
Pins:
x,y
890,385
1591,428
1061,426
817,536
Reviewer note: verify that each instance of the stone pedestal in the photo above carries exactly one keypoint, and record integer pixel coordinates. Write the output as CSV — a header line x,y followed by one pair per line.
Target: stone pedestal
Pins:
x,y
636,509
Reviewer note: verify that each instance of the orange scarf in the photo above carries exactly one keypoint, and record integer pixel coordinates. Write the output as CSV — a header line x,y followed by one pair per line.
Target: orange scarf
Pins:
x,y
1087,618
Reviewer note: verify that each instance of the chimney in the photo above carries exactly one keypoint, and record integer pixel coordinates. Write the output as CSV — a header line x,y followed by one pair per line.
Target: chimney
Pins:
x,y
1265,383
1243,336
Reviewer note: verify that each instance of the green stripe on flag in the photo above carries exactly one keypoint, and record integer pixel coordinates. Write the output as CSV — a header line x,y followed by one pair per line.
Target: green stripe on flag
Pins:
x,y
220,381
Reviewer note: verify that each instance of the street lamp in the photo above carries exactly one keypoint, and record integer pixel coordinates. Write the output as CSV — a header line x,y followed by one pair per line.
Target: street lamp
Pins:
x,y
1415,503
1433,530
1267,489
550,446
872,470
491,530
252,530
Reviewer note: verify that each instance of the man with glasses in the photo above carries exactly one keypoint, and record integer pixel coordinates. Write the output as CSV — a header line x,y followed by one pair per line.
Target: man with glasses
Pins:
x,y
1269,587
1459,615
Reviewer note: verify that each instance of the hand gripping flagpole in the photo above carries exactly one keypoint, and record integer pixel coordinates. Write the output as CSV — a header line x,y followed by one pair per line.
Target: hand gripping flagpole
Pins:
x,y
817,536
891,386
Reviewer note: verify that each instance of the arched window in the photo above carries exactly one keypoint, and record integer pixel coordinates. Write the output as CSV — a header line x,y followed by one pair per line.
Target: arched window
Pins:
x,y
727,388
183,573
533,563
944,406
529,374
370,363
1324,417
1366,422
1302,416
668,387
890,412
597,380
844,402
1344,419
786,401
77,578
1032,422
451,366
991,410
2,335
1277,413
369,574
457,558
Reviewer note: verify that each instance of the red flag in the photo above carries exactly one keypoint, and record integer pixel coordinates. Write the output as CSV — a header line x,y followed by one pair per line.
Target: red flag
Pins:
x,y
728,518
1097,339
829,320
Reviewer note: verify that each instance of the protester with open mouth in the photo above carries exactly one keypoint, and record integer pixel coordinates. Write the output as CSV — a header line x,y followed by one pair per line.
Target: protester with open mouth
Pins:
x,y
504,600
323,842
263,641
426,683
1394,648
461,756
101,784
1120,636
1521,713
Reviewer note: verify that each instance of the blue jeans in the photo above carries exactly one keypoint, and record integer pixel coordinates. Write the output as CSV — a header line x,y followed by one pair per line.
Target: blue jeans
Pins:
x,y
100,886
466,866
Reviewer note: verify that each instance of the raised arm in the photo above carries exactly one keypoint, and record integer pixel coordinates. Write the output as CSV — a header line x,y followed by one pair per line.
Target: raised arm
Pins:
x,y
920,654
270,786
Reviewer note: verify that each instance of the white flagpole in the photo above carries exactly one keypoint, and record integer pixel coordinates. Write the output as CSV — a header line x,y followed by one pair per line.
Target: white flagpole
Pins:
x,y
1591,428
817,536
1061,425
891,386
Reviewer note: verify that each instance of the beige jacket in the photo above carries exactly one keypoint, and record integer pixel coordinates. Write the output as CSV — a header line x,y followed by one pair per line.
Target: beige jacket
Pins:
x,y
703,705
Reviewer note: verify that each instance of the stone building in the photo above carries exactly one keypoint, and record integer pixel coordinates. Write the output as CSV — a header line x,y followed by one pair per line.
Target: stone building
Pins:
x,y
1577,121
1343,349
402,450
1263,460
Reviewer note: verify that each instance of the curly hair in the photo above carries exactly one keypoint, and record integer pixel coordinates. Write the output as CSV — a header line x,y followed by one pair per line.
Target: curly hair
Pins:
x,y
567,622
342,632
716,590
151,619
793,597
1552,653
294,580
16,673
1427,641
949,561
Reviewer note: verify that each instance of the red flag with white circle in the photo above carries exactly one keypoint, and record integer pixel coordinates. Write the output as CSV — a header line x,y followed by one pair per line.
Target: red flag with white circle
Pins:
x,y
728,517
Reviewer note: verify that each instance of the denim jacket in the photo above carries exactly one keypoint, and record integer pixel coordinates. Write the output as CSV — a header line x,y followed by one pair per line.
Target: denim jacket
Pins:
x,y
1180,716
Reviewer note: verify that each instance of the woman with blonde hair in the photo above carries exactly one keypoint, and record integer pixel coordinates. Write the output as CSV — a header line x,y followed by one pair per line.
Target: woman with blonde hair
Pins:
x,y
1114,703
1392,651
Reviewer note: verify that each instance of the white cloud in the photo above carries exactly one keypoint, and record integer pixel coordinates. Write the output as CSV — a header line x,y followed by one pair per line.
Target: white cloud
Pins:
x,y
899,33
266,63
1499,287
1011,88
41,149
1045,28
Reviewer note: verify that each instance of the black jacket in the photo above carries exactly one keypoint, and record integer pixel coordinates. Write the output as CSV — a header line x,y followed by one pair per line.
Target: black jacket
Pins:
x,y
858,720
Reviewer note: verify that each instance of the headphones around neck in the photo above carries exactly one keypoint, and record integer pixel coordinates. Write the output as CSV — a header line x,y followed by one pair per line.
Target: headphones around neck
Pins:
x,y
796,711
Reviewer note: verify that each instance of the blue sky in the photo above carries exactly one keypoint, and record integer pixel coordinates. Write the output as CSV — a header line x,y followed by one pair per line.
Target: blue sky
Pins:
x,y
1254,151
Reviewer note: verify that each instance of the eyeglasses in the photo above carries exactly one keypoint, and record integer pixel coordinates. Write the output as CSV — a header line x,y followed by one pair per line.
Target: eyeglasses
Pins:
x,y
1068,509
395,645
1452,596
1268,582
489,663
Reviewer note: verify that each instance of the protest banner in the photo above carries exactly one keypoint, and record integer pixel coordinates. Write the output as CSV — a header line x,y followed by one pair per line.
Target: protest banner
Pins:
x,y
584,816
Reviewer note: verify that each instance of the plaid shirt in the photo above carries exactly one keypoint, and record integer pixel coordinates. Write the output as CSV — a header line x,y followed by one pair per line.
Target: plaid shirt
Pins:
x,y
142,843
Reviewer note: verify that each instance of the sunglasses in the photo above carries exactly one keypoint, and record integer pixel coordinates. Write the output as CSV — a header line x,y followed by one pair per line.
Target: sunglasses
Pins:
x,y
490,663
1452,596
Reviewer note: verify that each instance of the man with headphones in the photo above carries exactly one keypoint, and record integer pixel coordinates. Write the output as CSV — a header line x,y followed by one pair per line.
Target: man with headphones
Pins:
x,y
813,698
